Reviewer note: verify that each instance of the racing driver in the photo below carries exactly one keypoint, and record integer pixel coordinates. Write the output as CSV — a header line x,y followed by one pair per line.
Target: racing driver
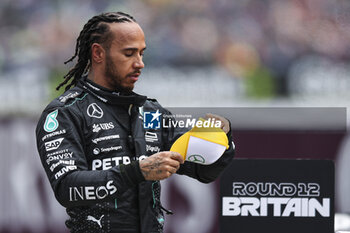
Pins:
x,y
92,141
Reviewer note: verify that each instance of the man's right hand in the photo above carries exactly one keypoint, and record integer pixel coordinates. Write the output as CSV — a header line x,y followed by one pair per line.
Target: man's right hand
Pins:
x,y
161,165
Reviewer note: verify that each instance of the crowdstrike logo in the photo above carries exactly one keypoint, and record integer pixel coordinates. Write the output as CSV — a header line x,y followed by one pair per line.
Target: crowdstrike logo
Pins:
x,y
151,120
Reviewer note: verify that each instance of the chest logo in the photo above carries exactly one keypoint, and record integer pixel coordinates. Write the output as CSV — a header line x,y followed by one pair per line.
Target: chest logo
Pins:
x,y
94,110
102,126
151,137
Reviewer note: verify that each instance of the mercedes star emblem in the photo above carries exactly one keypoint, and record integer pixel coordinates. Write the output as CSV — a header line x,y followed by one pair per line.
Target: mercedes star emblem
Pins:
x,y
94,111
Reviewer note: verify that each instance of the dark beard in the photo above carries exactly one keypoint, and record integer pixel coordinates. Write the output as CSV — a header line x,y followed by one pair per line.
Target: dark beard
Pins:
x,y
114,78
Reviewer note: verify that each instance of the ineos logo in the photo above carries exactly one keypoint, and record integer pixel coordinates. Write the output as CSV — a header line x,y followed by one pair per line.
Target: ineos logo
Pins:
x,y
94,111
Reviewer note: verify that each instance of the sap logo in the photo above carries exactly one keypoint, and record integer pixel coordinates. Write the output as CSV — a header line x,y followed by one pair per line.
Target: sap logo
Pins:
x,y
151,120
102,126
53,145
91,192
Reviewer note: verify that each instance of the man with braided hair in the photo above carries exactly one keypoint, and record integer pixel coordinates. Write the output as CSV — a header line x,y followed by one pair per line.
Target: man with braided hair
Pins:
x,y
92,142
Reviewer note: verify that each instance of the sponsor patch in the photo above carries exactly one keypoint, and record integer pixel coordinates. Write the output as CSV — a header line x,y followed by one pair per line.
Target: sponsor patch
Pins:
x,y
102,126
51,124
97,140
97,151
67,155
151,137
95,111
64,170
65,162
53,145
57,152
92,192
105,164
47,136
64,99
153,149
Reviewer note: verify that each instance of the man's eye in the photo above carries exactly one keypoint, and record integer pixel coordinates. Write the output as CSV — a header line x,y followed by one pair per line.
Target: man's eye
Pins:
x,y
128,54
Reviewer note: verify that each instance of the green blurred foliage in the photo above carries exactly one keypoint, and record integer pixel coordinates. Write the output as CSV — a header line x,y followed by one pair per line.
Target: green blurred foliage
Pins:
x,y
260,84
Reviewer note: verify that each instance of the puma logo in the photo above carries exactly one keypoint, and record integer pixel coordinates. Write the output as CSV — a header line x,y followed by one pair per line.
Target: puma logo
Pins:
x,y
91,218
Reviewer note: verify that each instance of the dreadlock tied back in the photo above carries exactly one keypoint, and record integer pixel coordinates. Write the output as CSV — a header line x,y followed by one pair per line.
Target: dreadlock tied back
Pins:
x,y
96,30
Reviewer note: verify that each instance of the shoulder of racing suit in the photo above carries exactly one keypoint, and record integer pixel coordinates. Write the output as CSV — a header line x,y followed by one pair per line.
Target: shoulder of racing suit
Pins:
x,y
68,98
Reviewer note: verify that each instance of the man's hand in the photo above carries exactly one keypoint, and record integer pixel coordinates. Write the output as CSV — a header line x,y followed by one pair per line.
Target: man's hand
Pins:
x,y
225,125
161,165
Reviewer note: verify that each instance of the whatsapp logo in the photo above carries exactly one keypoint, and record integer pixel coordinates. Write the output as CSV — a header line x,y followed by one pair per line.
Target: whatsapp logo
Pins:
x,y
51,124
196,159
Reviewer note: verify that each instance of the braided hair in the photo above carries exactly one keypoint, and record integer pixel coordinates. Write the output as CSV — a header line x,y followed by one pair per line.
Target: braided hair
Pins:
x,y
96,30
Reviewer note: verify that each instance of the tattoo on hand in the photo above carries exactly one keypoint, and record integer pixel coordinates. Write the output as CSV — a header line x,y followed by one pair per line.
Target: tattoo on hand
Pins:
x,y
147,167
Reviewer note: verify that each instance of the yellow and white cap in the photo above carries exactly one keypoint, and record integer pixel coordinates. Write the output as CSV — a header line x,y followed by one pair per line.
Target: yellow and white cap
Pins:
x,y
202,145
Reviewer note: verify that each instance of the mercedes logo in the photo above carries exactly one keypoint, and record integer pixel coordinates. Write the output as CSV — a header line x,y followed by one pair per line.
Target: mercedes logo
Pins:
x,y
94,111
196,159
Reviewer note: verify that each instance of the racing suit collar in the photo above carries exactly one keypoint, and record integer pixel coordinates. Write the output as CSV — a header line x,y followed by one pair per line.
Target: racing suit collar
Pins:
x,y
111,97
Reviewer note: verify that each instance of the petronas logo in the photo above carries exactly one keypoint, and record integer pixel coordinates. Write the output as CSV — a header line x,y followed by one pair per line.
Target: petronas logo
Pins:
x,y
51,124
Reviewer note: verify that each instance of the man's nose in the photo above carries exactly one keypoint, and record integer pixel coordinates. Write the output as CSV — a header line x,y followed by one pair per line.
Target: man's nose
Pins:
x,y
138,64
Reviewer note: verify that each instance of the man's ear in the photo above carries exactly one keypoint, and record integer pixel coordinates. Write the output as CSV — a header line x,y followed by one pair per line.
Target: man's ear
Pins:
x,y
98,53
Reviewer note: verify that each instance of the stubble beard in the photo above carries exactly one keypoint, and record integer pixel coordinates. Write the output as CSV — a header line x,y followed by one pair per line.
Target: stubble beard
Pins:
x,y
113,76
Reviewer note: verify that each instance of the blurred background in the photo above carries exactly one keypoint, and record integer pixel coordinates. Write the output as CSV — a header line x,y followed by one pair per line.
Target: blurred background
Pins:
x,y
200,53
